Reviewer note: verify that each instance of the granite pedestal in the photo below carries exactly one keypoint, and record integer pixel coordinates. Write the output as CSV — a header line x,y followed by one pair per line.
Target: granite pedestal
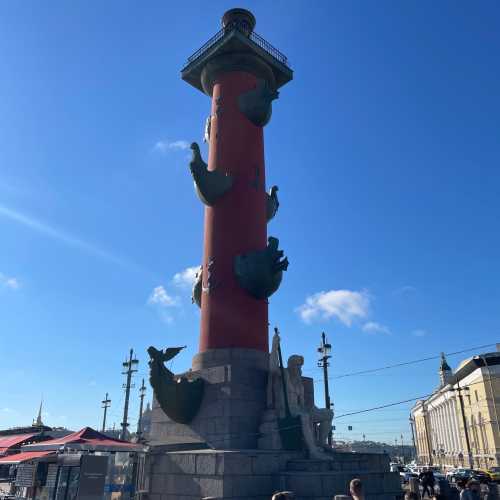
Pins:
x,y
217,454
233,402
257,474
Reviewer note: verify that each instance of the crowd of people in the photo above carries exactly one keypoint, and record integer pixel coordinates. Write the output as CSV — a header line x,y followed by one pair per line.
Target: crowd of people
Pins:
x,y
465,490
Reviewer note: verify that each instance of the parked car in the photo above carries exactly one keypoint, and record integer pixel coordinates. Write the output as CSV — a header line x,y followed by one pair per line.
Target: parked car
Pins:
x,y
406,474
493,473
481,476
460,473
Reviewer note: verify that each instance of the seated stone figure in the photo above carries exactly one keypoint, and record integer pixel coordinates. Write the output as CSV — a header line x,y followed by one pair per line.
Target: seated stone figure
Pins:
x,y
312,418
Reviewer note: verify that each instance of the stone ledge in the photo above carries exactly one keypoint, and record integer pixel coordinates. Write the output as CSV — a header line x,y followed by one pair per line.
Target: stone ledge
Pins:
x,y
237,356
255,475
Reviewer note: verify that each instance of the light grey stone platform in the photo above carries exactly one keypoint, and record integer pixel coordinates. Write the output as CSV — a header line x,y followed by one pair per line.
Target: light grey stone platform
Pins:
x,y
216,454
257,474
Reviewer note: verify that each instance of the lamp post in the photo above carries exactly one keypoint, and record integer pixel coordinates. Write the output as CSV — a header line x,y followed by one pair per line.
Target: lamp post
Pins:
x,y
324,351
129,369
464,422
412,423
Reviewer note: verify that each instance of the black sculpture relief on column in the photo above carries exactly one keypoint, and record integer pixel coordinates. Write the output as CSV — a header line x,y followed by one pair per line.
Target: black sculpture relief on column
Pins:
x,y
178,396
207,130
272,203
210,185
256,104
211,285
260,272
197,287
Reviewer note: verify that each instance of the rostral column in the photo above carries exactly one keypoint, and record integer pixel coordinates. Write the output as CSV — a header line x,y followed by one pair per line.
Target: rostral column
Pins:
x,y
241,267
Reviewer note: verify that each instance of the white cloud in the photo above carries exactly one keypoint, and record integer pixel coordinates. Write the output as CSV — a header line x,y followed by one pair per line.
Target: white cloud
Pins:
x,y
160,297
345,305
164,303
9,282
373,327
166,146
419,333
186,278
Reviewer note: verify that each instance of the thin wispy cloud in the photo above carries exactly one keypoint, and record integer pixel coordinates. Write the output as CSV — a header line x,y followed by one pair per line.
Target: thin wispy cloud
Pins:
x,y
186,277
160,297
374,327
164,303
9,282
63,237
345,305
419,333
166,146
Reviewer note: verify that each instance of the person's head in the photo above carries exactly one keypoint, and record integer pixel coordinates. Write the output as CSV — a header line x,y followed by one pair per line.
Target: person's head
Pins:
x,y
295,363
356,488
411,495
474,485
460,484
284,495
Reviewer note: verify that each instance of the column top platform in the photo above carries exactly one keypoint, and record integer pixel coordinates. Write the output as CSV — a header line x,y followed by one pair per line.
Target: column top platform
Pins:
x,y
237,46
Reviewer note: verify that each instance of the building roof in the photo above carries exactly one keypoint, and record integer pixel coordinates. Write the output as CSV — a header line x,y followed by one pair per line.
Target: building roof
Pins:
x,y
25,456
13,440
465,368
85,439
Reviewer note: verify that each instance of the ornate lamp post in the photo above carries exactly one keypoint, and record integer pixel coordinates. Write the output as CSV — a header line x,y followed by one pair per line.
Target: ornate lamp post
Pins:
x,y
324,351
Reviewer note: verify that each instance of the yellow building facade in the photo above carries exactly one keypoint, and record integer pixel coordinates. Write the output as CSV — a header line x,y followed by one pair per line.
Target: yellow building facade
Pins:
x,y
459,425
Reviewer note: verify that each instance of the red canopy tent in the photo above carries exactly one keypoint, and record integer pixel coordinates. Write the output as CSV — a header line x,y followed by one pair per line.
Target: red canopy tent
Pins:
x,y
11,442
17,458
85,439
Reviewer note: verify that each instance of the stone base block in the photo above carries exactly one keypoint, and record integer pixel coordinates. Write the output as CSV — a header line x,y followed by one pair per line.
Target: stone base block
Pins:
x,y
269,438
257,474
233,401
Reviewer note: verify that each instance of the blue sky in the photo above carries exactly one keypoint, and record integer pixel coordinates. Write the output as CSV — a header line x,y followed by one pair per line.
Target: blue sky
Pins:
x,y
385,148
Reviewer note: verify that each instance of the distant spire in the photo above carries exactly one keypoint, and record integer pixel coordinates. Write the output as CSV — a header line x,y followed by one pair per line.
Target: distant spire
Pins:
x,y
444,365
445,373
38,422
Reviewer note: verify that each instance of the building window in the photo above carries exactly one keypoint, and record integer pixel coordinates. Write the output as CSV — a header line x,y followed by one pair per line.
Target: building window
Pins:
x,y
477,397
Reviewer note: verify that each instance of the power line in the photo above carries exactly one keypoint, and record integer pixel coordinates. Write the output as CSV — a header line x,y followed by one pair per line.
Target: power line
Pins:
x,y
408,400
373,370
383,406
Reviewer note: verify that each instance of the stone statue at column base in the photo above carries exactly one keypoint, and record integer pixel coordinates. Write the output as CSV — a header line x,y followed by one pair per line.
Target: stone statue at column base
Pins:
x,y
316,422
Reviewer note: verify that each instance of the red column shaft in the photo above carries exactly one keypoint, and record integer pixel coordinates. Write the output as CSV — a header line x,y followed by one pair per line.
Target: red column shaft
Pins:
x,y
236,224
